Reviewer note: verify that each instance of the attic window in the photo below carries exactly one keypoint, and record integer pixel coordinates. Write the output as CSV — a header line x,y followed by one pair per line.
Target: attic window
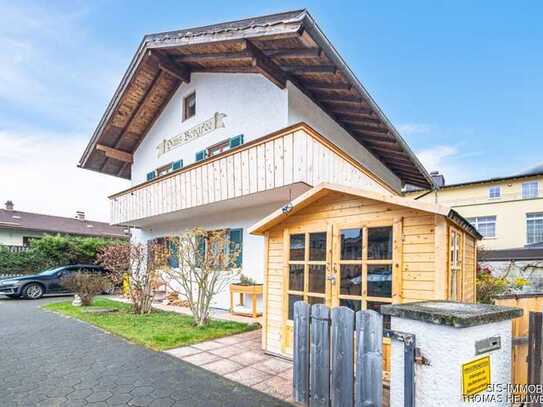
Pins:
x,y
189,106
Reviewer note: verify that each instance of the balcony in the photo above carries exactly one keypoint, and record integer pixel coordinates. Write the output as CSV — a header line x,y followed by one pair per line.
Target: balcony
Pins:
x,y
293,158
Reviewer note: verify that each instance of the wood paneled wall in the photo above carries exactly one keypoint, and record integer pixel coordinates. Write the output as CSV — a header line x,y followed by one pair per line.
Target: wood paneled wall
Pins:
x,y
422,261
299,155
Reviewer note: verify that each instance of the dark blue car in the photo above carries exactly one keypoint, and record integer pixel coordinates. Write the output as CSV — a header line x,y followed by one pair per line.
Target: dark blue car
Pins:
x,y
36,286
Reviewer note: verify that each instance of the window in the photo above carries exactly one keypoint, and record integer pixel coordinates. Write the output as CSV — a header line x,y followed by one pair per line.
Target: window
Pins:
x,y
455,263
306,269
534,227
218,148
365,268
235,242
189,106
164,169
494,192
485,225
530,190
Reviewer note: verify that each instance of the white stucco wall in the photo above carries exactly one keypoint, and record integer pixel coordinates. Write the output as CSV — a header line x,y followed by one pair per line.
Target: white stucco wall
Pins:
x,y
254,107
15,237
302,109
253,246
447,348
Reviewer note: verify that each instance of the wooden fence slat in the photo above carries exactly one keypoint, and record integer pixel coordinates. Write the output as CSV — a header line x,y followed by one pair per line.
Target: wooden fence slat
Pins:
x,y
341,391
369,359
409,348
302,312
320,356
535,351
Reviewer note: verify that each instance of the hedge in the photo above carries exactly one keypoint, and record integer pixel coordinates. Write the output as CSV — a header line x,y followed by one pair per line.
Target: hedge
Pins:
x,y
51,251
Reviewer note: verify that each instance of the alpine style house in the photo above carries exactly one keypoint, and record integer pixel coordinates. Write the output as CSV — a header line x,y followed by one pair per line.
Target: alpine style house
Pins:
x,y
219,126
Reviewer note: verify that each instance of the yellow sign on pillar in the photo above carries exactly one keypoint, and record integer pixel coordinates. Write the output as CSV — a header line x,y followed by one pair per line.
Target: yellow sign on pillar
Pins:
x,y
476,376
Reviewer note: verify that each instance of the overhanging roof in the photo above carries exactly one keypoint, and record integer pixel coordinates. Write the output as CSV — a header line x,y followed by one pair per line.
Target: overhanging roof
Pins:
x,y
323,189
282,47
17,220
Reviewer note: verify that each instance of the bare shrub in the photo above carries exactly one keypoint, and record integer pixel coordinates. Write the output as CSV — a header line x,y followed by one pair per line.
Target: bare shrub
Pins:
x,y
86,285
206,265
141,263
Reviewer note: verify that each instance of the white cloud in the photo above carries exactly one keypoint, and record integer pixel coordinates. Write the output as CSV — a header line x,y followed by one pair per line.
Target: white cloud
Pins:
x,y
410,129
450,161
51,67
39,173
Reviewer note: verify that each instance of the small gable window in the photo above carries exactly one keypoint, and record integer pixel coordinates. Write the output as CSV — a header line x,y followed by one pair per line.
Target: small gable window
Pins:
x,y
189,106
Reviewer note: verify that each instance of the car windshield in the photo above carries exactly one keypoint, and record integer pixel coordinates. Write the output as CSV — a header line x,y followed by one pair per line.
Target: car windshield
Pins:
x,y
50,272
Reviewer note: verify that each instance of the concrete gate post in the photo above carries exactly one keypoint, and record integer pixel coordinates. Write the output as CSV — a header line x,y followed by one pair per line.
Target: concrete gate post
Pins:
x,y
467,348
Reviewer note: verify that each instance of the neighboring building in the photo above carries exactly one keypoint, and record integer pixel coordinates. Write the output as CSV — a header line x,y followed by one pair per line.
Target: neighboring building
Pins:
x,y
508,212
18,228
217,126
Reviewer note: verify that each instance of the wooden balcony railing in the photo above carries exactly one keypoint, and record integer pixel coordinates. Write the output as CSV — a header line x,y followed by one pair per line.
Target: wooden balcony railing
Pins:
x,y
292,155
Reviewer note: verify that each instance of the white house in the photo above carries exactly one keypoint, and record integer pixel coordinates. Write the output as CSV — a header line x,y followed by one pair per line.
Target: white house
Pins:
x,y
218,126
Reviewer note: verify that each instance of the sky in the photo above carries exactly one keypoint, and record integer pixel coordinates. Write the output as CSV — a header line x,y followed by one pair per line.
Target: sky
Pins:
x,y
461,80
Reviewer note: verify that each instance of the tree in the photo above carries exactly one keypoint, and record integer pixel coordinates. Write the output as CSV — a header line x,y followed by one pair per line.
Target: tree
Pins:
x,y
201,264
141,263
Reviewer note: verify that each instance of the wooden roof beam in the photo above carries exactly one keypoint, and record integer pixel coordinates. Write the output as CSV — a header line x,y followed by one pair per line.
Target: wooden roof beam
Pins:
x,y
301,69
294,53
213,57
115,153
356,120
352,110
315,85
166,65
361,128
266,66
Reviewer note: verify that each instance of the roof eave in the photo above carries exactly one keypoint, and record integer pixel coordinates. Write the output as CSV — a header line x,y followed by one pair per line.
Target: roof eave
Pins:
x,y
312,27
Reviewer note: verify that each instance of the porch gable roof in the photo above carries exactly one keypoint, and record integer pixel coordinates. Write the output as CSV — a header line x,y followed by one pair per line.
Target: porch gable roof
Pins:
x,y
323,189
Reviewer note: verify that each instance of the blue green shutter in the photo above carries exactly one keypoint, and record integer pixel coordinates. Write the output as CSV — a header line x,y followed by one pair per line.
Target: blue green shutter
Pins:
x,y
201,155
201,250
177,165
236,242
173,259
236,141
151,175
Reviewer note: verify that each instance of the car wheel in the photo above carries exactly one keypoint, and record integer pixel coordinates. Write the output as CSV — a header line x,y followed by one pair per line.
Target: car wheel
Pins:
x,y
33,291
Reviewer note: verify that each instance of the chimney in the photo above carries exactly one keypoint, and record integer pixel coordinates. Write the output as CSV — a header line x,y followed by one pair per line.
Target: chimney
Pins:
x,y
438,179
80,215
9,205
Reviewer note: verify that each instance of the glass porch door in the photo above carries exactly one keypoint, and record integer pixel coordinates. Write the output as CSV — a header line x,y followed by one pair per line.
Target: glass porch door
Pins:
x,y
362,266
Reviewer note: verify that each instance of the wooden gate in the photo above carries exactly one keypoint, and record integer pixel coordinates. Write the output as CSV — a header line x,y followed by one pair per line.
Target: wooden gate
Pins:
x,y
338,357
529,302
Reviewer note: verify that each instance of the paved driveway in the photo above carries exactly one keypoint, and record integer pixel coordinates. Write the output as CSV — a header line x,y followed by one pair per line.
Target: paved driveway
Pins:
x,y
50,360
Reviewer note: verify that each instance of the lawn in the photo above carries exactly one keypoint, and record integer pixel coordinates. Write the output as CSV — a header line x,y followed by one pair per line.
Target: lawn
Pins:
x,y
158,330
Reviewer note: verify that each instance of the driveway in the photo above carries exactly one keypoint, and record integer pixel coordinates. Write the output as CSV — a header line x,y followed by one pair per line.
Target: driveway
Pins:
x,y
50,360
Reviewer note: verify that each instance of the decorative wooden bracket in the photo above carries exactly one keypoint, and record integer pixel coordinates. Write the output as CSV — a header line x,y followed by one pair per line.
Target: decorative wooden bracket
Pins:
x,y
166,65
115,153
266,66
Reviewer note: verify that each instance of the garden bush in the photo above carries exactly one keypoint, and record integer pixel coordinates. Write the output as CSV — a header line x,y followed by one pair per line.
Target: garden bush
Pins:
x,y
87,285
52,251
